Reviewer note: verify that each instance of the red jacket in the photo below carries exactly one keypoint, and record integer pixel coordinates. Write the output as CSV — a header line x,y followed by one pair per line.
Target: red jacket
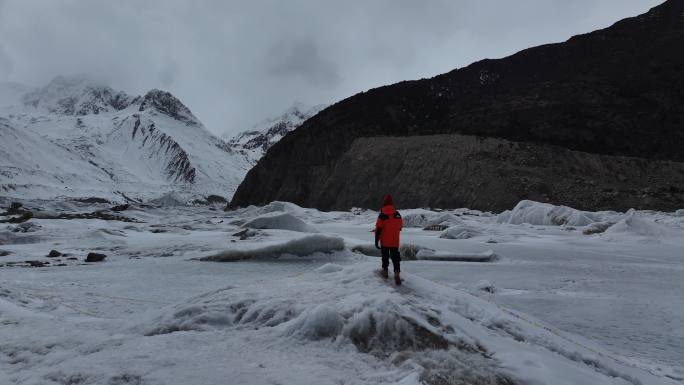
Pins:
x,y
388,226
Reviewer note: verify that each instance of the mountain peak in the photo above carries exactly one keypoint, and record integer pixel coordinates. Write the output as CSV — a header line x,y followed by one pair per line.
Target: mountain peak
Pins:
x,y
663,18
263,135
77,95
167,104
675,7
299,111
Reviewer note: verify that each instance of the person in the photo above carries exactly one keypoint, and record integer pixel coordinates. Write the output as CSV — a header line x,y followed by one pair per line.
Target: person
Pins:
x,y
387,229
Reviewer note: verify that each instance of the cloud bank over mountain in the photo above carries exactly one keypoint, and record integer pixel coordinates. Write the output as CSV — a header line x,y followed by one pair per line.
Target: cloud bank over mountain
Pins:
x,y
237,62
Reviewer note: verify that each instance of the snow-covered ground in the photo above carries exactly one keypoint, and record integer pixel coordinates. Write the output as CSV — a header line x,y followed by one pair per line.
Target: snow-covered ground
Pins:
x,y
556,305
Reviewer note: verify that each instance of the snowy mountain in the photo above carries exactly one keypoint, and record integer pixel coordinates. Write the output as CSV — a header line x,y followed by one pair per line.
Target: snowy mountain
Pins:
x,y
75,137
254,142
76,96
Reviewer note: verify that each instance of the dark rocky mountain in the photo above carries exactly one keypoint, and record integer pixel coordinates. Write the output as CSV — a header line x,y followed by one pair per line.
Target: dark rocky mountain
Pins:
x,y
584,110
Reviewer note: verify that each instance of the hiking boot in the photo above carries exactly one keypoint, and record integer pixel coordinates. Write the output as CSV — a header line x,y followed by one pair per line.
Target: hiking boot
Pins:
x,y
384,273
397,278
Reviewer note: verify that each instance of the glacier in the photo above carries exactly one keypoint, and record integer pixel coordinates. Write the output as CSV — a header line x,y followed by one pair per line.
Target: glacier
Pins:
x,y
557,306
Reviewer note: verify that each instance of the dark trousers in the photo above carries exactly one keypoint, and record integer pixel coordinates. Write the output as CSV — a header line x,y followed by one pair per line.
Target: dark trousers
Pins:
x,y
391,252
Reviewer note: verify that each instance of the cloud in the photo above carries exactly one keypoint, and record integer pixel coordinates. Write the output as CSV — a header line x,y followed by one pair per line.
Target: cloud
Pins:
x,y
235,62
6,63
301,58
168,73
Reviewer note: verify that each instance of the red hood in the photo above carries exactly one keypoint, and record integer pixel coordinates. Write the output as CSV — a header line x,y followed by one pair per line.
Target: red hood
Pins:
x,y
388,209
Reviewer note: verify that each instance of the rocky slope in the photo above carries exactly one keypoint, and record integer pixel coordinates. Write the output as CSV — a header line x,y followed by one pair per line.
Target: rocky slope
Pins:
x,y
615,92
471,171
77,138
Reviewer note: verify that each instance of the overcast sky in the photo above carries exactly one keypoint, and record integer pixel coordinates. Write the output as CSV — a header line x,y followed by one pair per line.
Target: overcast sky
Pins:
x,y
235,63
